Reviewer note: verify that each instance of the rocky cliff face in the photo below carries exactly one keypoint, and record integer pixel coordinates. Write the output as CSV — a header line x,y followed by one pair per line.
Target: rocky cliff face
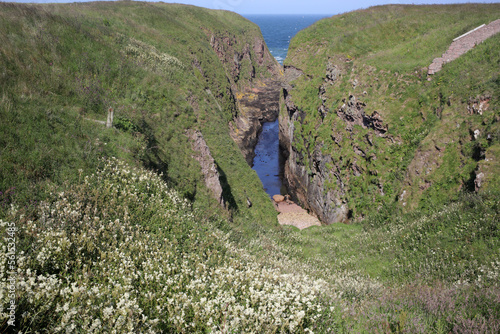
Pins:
x,y
255,106
310,173
179,68
255,78
366,132
207,164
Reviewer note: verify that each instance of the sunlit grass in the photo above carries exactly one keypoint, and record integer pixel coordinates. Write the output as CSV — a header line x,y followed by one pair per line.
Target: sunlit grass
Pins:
x,y
104,245
119,251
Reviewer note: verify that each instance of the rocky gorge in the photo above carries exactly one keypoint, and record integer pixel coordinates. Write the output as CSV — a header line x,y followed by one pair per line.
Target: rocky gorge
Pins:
x,y
361,135
256,106
350,146
255,97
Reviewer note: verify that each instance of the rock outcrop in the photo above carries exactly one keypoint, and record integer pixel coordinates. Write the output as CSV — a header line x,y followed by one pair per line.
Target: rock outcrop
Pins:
x,y
207,164
278,198
309,175
256,92
364,132
307,186
255,106
352,112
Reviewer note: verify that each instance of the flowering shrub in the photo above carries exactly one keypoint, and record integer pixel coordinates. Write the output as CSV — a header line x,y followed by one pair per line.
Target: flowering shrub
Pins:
x,y
151,57
433,272
122,252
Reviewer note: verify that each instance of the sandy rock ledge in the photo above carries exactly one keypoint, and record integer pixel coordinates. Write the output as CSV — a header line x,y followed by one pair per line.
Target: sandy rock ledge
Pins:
x,y
292,214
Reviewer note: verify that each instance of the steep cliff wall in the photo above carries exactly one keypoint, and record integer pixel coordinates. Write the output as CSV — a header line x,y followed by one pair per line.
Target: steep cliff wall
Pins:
x,y
254,78
255,106
207,164
256,92
363,127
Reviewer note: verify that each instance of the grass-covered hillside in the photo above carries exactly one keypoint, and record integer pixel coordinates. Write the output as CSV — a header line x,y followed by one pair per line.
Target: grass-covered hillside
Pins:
x,y
387,134
112,230
162,68
119,251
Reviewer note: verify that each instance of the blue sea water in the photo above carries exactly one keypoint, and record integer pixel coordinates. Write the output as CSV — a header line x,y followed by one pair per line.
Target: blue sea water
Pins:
x,y
277,30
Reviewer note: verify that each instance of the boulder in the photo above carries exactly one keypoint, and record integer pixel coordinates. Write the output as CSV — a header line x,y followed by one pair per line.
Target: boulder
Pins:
x,y
278,198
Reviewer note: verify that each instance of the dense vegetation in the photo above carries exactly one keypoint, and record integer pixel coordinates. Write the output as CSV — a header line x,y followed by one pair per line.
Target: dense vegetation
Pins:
x,y
115,231
64,66
381,57
119,251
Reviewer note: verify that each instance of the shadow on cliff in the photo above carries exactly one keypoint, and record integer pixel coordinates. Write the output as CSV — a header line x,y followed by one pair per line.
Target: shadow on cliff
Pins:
x,y
226,190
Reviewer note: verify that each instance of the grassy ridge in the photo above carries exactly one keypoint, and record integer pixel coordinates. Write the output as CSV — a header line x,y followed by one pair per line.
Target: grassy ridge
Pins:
x,y
440,258
381,55
66,65
394,37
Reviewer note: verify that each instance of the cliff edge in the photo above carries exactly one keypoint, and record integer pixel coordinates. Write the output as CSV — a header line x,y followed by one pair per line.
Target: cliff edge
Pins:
x,y
363,127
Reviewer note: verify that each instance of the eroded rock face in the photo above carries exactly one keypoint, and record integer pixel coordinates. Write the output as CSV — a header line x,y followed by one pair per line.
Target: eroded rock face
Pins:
x,y
352,113
257,96
309,178
308,187
225,48
256,105
364,136
207,164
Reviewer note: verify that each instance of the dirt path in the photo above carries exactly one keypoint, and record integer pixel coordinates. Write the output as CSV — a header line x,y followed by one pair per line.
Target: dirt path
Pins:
x,y
464,43
292,214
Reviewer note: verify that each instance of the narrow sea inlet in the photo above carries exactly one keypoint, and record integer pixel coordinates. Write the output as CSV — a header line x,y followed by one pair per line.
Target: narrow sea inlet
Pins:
x,y
277,30
268,162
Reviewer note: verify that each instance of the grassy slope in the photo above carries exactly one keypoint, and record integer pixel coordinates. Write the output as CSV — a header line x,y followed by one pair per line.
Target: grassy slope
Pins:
x,y
375,274
435,248
396,86
65,64
386,50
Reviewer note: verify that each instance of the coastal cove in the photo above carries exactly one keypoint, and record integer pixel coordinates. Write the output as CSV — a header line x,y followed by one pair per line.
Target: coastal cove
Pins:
x,y
128,203
268,163
277,31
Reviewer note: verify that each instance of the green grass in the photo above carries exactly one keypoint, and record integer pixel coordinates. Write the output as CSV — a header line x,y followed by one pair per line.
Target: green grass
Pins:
x,y
438,268
119,250
441,236
136,243
66,65
386,50
396,38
